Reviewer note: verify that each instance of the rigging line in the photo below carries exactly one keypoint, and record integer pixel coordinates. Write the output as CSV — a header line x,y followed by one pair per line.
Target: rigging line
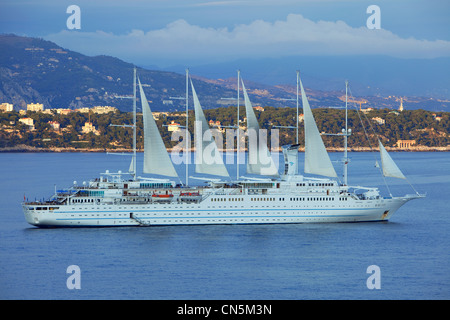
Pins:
x,y
362,124
370,124
407,180
368,140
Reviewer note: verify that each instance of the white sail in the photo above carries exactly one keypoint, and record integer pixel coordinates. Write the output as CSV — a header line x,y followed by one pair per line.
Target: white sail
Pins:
x,y
131,168
156,158
317,160
208,159
259,158
388,165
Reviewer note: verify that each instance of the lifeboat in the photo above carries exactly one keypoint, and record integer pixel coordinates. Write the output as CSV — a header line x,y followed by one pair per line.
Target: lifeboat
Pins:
x,y
190,196
162,196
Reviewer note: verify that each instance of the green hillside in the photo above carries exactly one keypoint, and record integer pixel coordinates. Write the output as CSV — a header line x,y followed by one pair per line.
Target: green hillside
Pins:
x,y
427,128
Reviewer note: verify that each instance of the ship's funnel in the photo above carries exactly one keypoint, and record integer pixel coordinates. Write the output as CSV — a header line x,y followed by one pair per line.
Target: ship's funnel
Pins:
x,y
290,153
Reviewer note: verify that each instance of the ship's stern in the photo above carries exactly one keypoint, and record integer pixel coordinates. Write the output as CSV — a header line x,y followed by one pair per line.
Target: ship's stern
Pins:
x,y
30,214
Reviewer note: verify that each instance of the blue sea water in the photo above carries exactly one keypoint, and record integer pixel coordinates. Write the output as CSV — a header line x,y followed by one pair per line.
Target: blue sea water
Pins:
x,y
290,262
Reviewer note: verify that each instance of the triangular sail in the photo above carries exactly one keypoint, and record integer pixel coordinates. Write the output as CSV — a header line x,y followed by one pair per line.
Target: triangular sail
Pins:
x,y
208,159
131,168
156,158
259,158
317,160
390,169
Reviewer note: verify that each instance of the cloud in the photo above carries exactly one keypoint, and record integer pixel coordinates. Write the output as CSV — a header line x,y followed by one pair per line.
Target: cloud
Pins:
x,y
182,42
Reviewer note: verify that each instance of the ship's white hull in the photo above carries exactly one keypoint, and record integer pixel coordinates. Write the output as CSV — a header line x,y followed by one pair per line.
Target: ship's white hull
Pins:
x,y
206,213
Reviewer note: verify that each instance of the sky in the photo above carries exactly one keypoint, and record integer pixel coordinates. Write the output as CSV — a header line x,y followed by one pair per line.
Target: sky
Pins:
x,y
217,37
194,32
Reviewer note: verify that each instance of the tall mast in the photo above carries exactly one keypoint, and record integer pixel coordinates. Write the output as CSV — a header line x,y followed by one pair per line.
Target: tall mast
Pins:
x,y
134,123
187,128
292,127
346,135
237,136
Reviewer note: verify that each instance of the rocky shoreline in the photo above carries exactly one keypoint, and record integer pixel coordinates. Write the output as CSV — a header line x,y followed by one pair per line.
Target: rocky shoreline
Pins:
x,y
29,149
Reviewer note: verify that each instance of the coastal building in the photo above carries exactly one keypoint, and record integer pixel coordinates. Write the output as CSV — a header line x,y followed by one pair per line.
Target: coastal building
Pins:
x,y
156,115
55,125
28,121
216,124
173,126
405,144
379,120
48,111
83,110
37,107
6,107
401,105
89,127
103,109
367,110
63,111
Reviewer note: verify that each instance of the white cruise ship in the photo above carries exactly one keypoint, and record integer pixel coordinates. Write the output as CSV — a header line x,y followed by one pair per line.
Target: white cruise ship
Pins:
x,y
124,199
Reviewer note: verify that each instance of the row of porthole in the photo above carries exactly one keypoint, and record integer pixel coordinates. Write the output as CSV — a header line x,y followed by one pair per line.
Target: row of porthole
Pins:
x,y
187,214
227,213
227,199
232,220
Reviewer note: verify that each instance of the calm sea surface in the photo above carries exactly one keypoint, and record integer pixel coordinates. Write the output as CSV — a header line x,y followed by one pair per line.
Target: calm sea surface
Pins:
x,y
298,261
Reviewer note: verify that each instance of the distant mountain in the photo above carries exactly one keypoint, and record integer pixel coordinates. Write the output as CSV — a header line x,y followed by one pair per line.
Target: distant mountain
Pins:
x,y
369,75
34,70
38,71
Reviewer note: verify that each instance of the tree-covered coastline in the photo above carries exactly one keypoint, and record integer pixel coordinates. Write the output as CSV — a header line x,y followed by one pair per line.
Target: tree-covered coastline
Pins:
x,y
428,129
